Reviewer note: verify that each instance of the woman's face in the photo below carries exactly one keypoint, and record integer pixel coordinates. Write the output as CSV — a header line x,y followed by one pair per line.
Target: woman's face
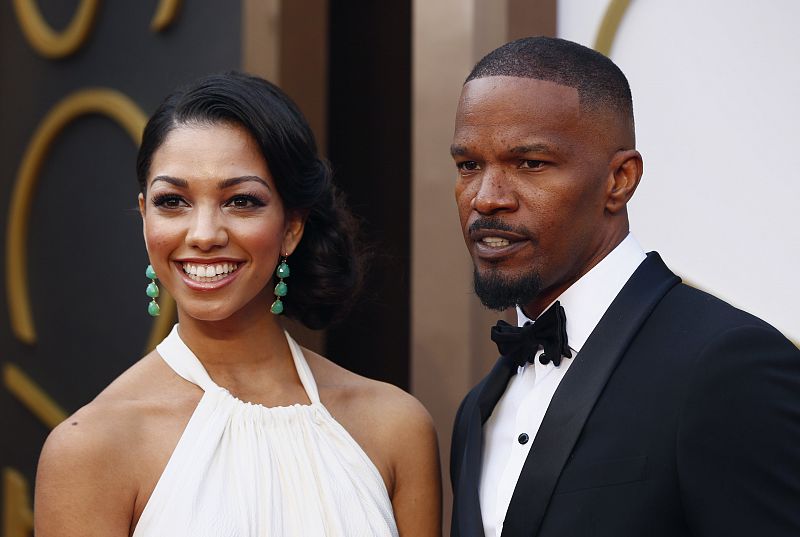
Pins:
x,y
214,224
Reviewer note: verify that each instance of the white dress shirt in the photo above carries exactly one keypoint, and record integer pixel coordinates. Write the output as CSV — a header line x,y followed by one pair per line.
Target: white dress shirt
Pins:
x,y
511,429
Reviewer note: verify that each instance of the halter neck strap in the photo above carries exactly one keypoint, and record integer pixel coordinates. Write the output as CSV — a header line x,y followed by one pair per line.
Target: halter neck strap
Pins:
x,y
185,363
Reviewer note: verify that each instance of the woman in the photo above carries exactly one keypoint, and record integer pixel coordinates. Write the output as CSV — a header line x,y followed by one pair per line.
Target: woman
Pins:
x,y
229,428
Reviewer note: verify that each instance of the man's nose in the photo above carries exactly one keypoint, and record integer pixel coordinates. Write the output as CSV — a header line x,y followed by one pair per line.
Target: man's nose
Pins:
x,y
495,193
207,229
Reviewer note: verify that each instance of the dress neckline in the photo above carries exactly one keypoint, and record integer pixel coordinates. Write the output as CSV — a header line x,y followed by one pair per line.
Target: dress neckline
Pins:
x,y
174,351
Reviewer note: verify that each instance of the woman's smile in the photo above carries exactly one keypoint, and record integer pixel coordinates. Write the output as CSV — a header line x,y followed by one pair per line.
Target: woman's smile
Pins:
x,y
214,223
208,275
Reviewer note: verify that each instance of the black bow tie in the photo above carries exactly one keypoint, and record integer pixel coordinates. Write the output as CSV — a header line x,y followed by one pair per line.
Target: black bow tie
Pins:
x,y
521,344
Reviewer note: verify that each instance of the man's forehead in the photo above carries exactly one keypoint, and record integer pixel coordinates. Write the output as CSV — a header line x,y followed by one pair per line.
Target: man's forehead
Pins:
x,y
506,99
511,147
504,102
517,88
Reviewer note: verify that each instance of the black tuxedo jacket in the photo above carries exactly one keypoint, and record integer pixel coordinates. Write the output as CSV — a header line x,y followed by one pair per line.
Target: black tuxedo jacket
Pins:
x,y
680,416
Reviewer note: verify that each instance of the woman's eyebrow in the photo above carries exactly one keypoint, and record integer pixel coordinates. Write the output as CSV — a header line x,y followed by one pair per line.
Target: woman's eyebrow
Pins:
x,y
227,183
183,183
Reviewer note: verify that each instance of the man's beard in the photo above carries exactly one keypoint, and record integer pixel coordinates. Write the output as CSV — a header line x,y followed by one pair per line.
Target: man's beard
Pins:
x,y
498,292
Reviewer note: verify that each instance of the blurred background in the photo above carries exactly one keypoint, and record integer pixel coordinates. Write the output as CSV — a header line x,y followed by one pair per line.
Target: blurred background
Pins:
x,y
715,96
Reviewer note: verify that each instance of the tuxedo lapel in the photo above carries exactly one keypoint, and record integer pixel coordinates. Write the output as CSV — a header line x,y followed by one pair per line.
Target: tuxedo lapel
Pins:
x,y
489,391
578,392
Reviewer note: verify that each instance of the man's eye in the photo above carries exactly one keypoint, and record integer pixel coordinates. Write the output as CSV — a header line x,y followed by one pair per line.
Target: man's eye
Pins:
x,y
532,164
468,166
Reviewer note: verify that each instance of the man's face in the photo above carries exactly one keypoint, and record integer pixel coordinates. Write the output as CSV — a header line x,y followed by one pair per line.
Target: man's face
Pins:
x,y
533,176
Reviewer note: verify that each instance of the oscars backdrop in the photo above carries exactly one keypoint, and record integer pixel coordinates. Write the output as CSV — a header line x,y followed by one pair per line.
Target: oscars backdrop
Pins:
x,y
715,97
79,79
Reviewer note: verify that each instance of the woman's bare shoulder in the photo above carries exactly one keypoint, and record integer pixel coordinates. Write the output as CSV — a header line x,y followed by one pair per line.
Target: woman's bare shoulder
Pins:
x,y
376,414
115,416
90,463
397,433
368,398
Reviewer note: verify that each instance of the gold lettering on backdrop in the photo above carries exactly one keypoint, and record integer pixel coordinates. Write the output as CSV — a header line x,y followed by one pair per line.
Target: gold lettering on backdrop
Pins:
x,y
609,27
53,44
32,396
166,13
610,24
106,102
17,512
48,42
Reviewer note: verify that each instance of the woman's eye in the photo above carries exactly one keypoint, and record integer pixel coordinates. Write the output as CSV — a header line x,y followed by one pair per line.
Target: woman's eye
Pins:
x,y
245,202
168,201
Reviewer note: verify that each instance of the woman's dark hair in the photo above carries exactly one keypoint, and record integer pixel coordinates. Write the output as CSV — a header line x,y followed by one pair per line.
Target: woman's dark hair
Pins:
x,y
327,263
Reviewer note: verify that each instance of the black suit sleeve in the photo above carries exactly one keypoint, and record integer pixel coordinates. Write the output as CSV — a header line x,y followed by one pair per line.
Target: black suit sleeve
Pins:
x,y
739,439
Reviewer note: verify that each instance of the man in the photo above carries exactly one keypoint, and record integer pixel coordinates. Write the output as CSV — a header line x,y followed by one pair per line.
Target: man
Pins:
x,y
634,405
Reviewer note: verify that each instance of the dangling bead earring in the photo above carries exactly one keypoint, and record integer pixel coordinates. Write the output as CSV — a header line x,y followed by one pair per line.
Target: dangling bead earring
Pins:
x,y
152,292
280,288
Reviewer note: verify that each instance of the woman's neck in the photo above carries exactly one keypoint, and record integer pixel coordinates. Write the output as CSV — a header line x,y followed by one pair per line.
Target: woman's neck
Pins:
x,y
238,340
249,357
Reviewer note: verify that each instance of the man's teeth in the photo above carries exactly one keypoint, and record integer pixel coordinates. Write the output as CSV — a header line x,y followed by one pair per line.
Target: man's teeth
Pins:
x,y
495,242
209,273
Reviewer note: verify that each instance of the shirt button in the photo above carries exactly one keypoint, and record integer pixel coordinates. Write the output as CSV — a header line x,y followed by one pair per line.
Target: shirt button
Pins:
x,y
523,438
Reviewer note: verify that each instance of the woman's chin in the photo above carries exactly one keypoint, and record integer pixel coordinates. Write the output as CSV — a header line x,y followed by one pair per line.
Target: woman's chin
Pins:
x,y
206,312
225,311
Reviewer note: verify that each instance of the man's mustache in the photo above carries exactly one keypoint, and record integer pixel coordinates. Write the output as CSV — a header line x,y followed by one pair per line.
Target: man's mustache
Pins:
x,y
492,222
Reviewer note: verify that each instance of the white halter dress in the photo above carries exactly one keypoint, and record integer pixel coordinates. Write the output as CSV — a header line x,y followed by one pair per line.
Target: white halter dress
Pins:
x,y
244,470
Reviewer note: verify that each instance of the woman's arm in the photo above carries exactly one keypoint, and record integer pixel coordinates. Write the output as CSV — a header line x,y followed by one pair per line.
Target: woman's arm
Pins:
x,y
397,434
417,495
83,486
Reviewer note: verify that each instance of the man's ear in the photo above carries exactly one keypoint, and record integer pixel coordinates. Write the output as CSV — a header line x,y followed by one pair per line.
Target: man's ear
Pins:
x,y
625,172
295,225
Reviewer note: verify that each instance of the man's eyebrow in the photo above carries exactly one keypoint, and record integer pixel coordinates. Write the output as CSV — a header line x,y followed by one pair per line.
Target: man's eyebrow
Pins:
x,y
457,150
183,183
227,183
533,148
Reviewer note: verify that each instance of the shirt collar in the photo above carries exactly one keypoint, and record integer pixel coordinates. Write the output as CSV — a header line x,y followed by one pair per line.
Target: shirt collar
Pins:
x,y
586,300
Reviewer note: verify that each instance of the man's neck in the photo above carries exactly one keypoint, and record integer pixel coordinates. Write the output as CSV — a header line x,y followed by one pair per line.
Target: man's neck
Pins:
x,y
587,299
546,297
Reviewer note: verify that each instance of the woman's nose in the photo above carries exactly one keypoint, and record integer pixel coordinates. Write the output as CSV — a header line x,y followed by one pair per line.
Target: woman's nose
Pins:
x,y
207,229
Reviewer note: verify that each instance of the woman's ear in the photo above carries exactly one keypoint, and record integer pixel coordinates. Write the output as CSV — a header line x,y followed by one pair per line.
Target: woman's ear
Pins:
x,y
295,225
626,172
142,205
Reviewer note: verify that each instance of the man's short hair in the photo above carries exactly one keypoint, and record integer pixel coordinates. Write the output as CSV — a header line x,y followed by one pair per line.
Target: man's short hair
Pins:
x,y
600,83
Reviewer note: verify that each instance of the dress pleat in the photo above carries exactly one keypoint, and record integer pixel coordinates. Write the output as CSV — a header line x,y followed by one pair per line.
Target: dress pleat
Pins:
x,y
245,470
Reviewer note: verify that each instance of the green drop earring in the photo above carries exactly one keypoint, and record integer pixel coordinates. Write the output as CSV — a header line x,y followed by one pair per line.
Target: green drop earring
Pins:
x,y
152,291
281,289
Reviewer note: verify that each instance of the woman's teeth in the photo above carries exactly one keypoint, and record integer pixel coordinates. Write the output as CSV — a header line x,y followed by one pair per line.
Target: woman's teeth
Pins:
x,y
208,273
495,242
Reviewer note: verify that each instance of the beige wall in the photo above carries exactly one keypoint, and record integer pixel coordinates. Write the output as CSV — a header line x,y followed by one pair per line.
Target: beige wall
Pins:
x,y
281,43
451,348
724,223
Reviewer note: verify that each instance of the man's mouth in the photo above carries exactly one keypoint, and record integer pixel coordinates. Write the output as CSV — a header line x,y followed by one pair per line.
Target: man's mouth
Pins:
x,y
211,272
495,242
